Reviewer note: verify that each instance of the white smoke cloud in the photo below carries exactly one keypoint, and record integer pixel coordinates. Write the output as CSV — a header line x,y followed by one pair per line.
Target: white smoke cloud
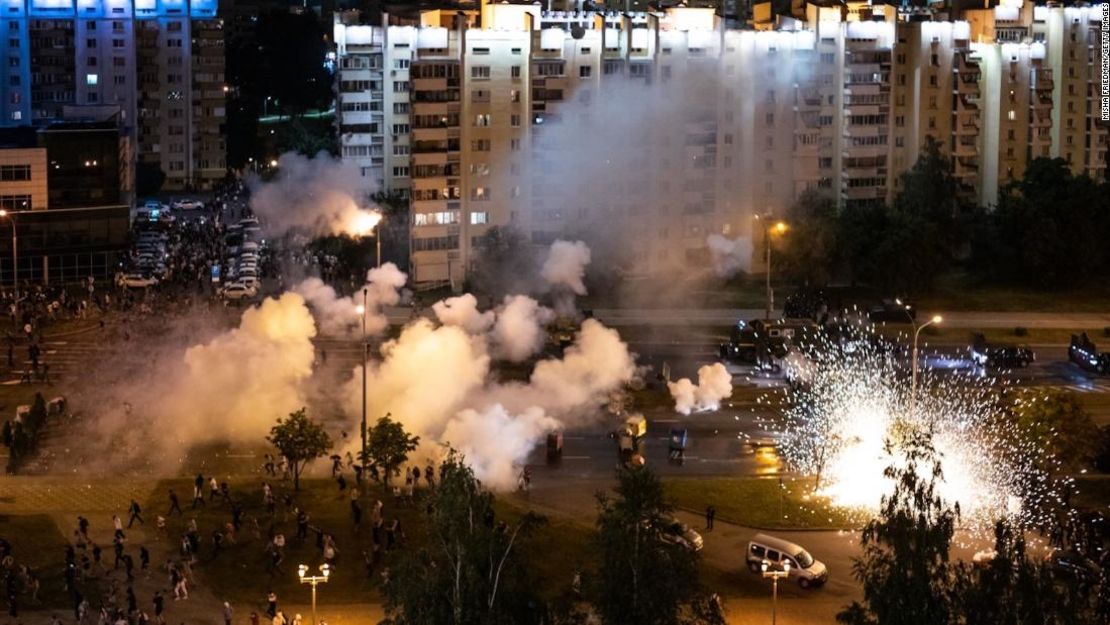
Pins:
x,y
730,256
714,384
563,270
339,315
435,379
321,195
336,315
520,328
462,311
495,443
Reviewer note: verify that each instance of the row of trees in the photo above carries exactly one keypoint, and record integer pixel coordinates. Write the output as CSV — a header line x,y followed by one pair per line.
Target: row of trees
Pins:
x,y
300,440
1048,230
476,569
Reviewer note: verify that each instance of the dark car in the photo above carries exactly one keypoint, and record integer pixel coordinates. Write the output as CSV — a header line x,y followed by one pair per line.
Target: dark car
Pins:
x,y
1083,352
1000,356
892,310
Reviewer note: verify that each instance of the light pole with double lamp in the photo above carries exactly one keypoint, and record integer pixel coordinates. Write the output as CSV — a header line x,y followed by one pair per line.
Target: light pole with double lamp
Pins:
x,y
314,580
913,365
775,575
15,251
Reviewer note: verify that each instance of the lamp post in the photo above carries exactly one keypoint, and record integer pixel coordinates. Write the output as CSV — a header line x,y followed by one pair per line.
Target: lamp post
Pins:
x,y
365,357
913,365
15,251
775,576
779,227
314,580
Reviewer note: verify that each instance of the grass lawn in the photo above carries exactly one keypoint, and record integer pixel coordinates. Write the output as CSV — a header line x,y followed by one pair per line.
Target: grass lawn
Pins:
x,y
759,503
240,571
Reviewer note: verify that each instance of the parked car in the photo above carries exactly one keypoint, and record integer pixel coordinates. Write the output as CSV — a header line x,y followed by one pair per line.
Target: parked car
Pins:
x,y
999,356
238,291
1083,352
136,280
892,310
776,552
678,533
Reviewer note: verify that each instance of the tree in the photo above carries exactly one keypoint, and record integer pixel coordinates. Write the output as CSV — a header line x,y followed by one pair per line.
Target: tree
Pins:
x,y
905,572
473,571
300,441
1012,589
1057,427
644,579
388,446
810,252
505,263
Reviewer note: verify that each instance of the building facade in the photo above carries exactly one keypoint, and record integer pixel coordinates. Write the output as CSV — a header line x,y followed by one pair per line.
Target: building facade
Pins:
x,y
160,62
657,129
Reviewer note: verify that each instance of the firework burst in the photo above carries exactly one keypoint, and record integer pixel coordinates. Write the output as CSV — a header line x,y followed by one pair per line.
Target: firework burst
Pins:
x,y
852,405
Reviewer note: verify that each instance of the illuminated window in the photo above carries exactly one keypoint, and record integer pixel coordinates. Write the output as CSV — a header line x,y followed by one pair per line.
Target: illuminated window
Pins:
x,y
91,79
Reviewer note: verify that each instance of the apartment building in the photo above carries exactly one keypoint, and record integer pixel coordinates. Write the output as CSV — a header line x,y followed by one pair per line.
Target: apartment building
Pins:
x,y
652,130
160,63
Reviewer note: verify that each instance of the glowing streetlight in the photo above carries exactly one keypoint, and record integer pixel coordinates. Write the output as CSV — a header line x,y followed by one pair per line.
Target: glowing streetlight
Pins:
x,y
273,162
775,576
15,252
913,366
779,228
314,580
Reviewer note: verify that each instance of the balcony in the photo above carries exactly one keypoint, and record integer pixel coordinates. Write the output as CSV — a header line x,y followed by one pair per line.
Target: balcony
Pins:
x,y
966,147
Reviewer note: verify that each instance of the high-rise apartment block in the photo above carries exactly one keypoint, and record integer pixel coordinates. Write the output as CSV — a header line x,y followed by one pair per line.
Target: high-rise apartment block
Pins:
x,y
667,126
160,62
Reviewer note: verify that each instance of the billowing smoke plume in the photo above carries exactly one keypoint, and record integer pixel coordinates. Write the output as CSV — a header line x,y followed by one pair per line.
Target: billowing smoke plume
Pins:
x,y
230,388
339,315
519,331
495,443
322,196
730,256
436,381
565,266
714,384
462,311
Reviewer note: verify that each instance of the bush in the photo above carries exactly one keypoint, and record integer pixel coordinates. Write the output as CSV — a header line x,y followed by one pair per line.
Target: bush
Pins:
x,y
1020,331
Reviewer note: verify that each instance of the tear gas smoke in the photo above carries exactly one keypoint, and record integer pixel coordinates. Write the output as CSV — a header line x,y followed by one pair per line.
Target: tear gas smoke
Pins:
x,y
436,381
730,256
321,195
519,331
230,388
515,330
714,384
462,311
339,315
566,265
495,443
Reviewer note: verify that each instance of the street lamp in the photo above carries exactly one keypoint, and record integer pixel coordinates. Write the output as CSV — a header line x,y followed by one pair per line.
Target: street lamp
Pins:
x,y
779,228
365,357
775,576
15,251
913,366
314,580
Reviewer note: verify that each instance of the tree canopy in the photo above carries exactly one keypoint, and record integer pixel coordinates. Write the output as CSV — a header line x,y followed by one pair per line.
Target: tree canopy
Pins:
x,y
300,440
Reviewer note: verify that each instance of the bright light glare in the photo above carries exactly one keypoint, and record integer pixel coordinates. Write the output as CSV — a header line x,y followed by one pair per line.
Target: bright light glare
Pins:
x,y
937,318
362,222
360,309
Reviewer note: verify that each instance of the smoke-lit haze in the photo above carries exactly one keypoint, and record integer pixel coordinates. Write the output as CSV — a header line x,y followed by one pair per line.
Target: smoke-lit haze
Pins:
x,y
321,196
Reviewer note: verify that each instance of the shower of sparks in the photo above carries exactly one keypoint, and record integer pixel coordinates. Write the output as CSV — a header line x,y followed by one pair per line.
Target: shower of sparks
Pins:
x,y
852,396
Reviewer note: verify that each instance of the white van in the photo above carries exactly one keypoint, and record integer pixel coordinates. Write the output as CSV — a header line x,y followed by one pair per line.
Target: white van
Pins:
x,y
776,551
